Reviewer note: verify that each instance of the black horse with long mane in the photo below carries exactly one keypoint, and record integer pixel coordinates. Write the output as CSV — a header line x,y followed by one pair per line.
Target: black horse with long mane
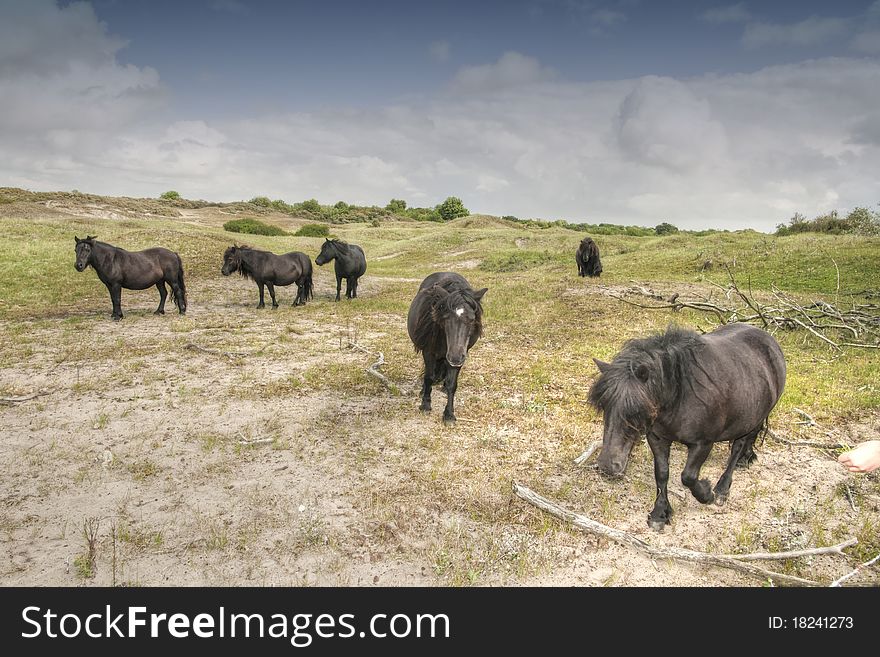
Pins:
x,y
351,263
587,258
133,270
268,270
693,389
445,320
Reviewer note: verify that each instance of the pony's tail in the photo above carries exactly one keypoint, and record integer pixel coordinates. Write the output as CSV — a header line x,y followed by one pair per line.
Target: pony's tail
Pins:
x,y
179,300
307,287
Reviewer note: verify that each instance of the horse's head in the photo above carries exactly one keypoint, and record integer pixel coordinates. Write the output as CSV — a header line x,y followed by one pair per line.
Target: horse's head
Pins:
x,y
83,251
328,252
624,395
460,314
231,260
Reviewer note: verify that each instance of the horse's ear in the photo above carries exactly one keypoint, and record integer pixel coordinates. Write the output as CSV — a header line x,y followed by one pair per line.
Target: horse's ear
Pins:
x,y
602,365
642,372
479,293
76,239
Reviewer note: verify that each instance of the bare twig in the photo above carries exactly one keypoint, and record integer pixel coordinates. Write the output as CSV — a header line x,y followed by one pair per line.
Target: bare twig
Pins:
x,y
17,400
793,554
589,452
589,525
841,580
227,354
805,443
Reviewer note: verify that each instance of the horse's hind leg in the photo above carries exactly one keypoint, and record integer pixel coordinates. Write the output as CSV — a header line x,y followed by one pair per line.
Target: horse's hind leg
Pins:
x,y
163,294
690,476
738,449
272,294
427,382
354,287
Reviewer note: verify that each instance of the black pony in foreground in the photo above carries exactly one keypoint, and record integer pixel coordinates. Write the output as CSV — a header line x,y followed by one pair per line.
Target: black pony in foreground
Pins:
x,y
587,258
698,390
351,263
133,270
445,320
269,270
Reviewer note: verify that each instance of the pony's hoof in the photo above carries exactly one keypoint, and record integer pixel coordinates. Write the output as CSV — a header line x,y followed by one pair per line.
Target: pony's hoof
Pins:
x,y
449,420
425,408
116,318
158,312
657,525
720,500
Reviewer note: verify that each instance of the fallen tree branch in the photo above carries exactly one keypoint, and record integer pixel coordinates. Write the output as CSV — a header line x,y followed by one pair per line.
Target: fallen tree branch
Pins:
x,y
17,400
841,580
793,554
226,354
589,452
805,443
373,370
589,525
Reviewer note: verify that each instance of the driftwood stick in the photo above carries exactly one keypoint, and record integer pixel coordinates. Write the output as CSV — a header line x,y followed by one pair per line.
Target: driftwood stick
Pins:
x,y
841,580
793,554
589,525
805,443
589,452
18,400
226,354
258,441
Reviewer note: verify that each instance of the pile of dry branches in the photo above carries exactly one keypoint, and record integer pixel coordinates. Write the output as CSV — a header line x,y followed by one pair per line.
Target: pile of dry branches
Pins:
x,y
851,324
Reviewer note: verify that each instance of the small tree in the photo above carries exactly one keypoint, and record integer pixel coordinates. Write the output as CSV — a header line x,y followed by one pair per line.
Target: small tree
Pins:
x,y
452,208
170,196
396,205
311,206
665,229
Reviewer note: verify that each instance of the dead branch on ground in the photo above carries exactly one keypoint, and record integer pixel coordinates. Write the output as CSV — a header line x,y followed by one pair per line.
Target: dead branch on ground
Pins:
x,y
9,401
858,568
589,525
232,355
854,324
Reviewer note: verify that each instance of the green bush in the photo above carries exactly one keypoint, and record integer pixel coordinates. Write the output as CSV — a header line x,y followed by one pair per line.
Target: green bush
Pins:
x,y
170,196
313,230
309,206
860,221
252,227
665,229
396,205
452,208
262,201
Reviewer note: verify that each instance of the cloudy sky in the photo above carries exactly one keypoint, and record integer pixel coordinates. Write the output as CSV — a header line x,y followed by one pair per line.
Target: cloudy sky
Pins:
x,y
625,111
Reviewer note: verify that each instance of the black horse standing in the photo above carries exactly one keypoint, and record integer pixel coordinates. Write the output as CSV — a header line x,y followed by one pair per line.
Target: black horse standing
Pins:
x,y
133,270
268,270
697,390
445,320
587,258
351,263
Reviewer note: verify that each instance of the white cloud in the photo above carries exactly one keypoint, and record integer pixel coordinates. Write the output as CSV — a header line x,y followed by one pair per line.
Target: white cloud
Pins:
x,y
439,51
808,32
867,42
509,137
511,70
737,13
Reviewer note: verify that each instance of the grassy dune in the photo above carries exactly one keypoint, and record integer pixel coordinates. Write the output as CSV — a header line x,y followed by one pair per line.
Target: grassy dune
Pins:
x,y
433,498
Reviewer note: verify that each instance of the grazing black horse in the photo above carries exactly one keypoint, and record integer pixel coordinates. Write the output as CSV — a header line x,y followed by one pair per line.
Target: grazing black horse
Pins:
x,y
269,270
138,270
351,263
697,390
587,258
445,320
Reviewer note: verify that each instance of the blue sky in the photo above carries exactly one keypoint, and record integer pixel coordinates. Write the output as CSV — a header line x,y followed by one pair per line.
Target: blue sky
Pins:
x,y
727,115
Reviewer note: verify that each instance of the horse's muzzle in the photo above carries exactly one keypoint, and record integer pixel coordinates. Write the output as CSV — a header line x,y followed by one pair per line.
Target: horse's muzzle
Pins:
x,y
79,267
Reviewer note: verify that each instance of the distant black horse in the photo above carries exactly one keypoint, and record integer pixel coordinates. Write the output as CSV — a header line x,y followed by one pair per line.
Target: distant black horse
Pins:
x,y
587,258
269,270
138,270
692,389
351,263
445,320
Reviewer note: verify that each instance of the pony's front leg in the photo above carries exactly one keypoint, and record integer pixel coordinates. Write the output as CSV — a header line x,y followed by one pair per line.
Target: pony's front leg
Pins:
x,y
272,294
662,512
450,385
262,303
690,476
338,286
163,293
427,383
116,300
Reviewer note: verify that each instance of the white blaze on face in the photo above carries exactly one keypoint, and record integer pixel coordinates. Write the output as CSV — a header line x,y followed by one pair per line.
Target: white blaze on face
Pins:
x,y
459,311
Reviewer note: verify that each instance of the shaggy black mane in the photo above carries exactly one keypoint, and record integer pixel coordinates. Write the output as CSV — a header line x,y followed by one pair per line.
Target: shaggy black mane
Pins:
x,y
649,375
429,327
